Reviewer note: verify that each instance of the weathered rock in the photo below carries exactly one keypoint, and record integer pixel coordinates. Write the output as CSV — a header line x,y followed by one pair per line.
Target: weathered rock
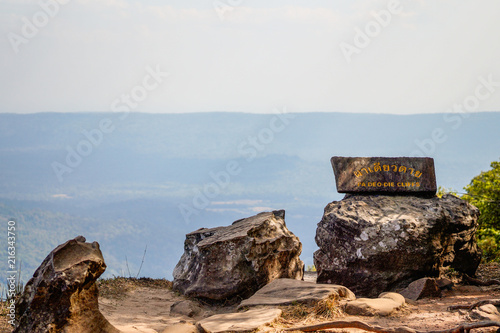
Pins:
x,y
235,261
486,312
463,289
372,244
62,294
185,308
239,322
422,288
181,328
384,305
290,291
444,283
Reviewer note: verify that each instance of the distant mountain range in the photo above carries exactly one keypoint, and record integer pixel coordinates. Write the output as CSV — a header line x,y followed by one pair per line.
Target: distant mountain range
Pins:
x,y
134,180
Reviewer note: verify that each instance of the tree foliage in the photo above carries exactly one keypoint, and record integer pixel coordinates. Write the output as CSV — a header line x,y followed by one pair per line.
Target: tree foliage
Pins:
x,y
489,242
443,190
484,193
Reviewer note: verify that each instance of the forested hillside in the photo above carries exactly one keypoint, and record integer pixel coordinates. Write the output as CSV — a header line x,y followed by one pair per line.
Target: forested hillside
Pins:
x,y
148,179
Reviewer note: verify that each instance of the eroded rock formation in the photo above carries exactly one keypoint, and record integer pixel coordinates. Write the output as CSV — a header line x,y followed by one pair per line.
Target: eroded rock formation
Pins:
x,y
235,261
62,296
372,244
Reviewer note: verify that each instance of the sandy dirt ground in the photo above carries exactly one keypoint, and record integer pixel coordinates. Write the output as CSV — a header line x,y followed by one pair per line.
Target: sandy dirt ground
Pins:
x,y
146,308
141,310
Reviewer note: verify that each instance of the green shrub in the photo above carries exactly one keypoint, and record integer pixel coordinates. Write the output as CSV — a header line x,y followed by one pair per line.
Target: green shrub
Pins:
x,y
311,268
489,242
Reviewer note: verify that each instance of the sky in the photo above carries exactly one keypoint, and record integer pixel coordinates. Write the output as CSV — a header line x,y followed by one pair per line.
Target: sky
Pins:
x,y
399,57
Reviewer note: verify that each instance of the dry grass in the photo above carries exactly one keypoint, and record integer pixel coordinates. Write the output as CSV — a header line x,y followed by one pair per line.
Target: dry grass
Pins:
x,y
117,287
5,327
329,308
309,313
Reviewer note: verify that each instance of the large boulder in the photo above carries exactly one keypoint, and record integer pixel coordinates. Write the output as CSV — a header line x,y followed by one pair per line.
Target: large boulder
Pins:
x,y
62,295
375,243
234,262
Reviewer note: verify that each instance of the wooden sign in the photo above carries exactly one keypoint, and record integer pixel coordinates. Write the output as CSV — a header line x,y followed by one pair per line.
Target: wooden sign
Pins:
x,y
412,175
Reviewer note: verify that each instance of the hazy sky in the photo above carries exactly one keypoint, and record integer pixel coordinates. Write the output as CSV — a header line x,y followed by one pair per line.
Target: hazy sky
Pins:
x,y
249,55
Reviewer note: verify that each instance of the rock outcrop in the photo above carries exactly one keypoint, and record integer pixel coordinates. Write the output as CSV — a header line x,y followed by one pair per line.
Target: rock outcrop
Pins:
x,y
422,288
235,261
384,305
485,312
62,295
249,321
185,308
290,291
372,244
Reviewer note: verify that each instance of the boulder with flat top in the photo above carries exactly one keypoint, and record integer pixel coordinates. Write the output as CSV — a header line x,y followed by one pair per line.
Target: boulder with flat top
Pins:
x,y
377,243
233,262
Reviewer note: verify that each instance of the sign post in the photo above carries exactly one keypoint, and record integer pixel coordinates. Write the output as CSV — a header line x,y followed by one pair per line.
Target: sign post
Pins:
x,y
385,175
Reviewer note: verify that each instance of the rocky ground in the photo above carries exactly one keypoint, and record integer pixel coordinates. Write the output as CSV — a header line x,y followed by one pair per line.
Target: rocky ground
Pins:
x,y
144,305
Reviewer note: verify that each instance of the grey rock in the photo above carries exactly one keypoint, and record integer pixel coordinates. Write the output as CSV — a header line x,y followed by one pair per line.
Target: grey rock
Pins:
x,y
247,321
422,288
378,243
233,262
62,295
384,305
290,291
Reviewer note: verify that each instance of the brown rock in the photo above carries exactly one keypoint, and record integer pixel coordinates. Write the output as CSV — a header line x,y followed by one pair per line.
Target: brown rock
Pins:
x,y
422,288
62,295
233,262
444,283
376,243
414,175
290,291
461,289
384,305
247,321
486,312
181,328
185,308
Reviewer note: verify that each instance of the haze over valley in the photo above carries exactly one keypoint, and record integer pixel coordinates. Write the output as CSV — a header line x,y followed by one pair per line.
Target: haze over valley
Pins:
x,y
134,180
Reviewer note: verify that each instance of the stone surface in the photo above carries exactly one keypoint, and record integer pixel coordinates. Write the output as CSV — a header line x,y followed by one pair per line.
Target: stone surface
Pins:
x,y
181,328
185,308
372,244
62,295
233,262
290,291
239,322
384,305
486,312
422,288
384,175
444,283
